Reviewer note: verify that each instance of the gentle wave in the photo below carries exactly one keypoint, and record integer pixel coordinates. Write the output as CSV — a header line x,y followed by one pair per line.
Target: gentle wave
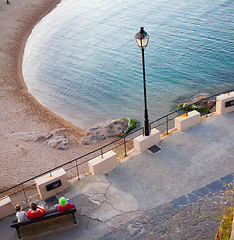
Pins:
x,y
82,62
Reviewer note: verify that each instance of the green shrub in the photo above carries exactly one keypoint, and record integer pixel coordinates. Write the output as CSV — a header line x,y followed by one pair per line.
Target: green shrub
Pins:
x,y
226,225
201,109
132,125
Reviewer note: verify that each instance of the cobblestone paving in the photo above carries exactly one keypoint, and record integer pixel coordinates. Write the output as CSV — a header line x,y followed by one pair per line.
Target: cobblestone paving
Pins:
x,y
195,215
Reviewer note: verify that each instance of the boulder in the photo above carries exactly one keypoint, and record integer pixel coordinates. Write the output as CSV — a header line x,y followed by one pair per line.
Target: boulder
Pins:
x,y
109,129
39,137
208,105
30,136
53,138
59,142
199,96
58,131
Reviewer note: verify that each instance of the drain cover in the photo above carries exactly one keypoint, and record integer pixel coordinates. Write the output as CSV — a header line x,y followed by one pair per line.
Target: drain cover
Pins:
x,y
154,149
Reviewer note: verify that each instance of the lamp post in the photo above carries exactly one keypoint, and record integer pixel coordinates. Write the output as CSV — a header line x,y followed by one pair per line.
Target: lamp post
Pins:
x,y
142,39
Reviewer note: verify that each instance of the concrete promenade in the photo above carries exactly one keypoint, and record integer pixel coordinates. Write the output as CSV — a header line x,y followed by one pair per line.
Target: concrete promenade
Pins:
x,y
176,193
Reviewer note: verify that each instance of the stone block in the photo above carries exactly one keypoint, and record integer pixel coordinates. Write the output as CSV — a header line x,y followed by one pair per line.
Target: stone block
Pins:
x,y
6,207
186,121
103,164
141,143
225,103
57,175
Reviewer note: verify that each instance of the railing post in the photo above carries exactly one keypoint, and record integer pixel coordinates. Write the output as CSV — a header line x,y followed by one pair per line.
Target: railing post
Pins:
x,y
77,170
206,107
97,150
26,200
167,124
125,149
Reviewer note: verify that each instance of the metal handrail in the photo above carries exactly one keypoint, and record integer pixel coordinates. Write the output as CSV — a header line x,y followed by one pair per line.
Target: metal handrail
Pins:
x,y
191,105
117,140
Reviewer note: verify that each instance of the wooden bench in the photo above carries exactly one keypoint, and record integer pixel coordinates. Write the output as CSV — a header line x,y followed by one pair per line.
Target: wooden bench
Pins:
x,y
48,215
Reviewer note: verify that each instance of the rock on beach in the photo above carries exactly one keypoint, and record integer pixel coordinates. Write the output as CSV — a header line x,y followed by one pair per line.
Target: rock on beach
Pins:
x,y
109,129
53,138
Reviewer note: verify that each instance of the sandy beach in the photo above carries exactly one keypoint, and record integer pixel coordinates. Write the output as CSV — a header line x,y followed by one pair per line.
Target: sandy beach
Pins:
x,y
20,113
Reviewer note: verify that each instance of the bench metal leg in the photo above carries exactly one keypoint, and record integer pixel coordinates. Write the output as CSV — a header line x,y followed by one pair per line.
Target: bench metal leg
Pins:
x,y
74,218
17,229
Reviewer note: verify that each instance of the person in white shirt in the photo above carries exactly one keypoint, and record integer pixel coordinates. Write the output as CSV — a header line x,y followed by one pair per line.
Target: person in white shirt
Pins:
x,y
21,215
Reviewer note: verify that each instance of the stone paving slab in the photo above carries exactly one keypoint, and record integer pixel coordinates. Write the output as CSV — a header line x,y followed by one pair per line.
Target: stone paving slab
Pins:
x,y
188,217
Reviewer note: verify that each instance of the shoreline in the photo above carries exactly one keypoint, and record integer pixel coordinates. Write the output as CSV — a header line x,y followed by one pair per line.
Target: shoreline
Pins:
x,y
33,103
20,91
20,112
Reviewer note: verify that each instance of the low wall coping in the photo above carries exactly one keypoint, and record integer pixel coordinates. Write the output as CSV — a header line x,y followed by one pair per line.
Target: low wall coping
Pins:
x,y
187,120
221,101
99,159
142,137
103,164
54,174
4,201
188,115
226,96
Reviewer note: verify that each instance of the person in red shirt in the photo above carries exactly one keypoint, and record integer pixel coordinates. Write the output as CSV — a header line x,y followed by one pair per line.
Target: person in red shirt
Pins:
x,y
63,204
35,211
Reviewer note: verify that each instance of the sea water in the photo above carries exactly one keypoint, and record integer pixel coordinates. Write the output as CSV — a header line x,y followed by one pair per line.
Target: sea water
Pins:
x,y
82,61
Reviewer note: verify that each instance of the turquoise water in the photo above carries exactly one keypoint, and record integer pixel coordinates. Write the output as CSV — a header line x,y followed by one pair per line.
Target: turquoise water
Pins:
x,y
82,61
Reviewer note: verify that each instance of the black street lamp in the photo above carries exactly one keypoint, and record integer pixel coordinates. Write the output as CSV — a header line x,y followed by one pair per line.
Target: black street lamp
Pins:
x,y
142,39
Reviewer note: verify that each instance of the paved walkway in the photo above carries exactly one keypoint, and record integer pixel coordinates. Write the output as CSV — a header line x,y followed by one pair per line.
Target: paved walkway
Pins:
x,y
193,215
157,195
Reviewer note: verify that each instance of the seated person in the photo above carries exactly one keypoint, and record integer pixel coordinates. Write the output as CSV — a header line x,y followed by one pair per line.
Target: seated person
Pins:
x,y
21,215
35,211
64,204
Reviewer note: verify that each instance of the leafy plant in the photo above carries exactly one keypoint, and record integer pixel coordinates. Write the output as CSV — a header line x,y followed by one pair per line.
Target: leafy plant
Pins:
x,y
226,225
131,125
225,228
201,109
